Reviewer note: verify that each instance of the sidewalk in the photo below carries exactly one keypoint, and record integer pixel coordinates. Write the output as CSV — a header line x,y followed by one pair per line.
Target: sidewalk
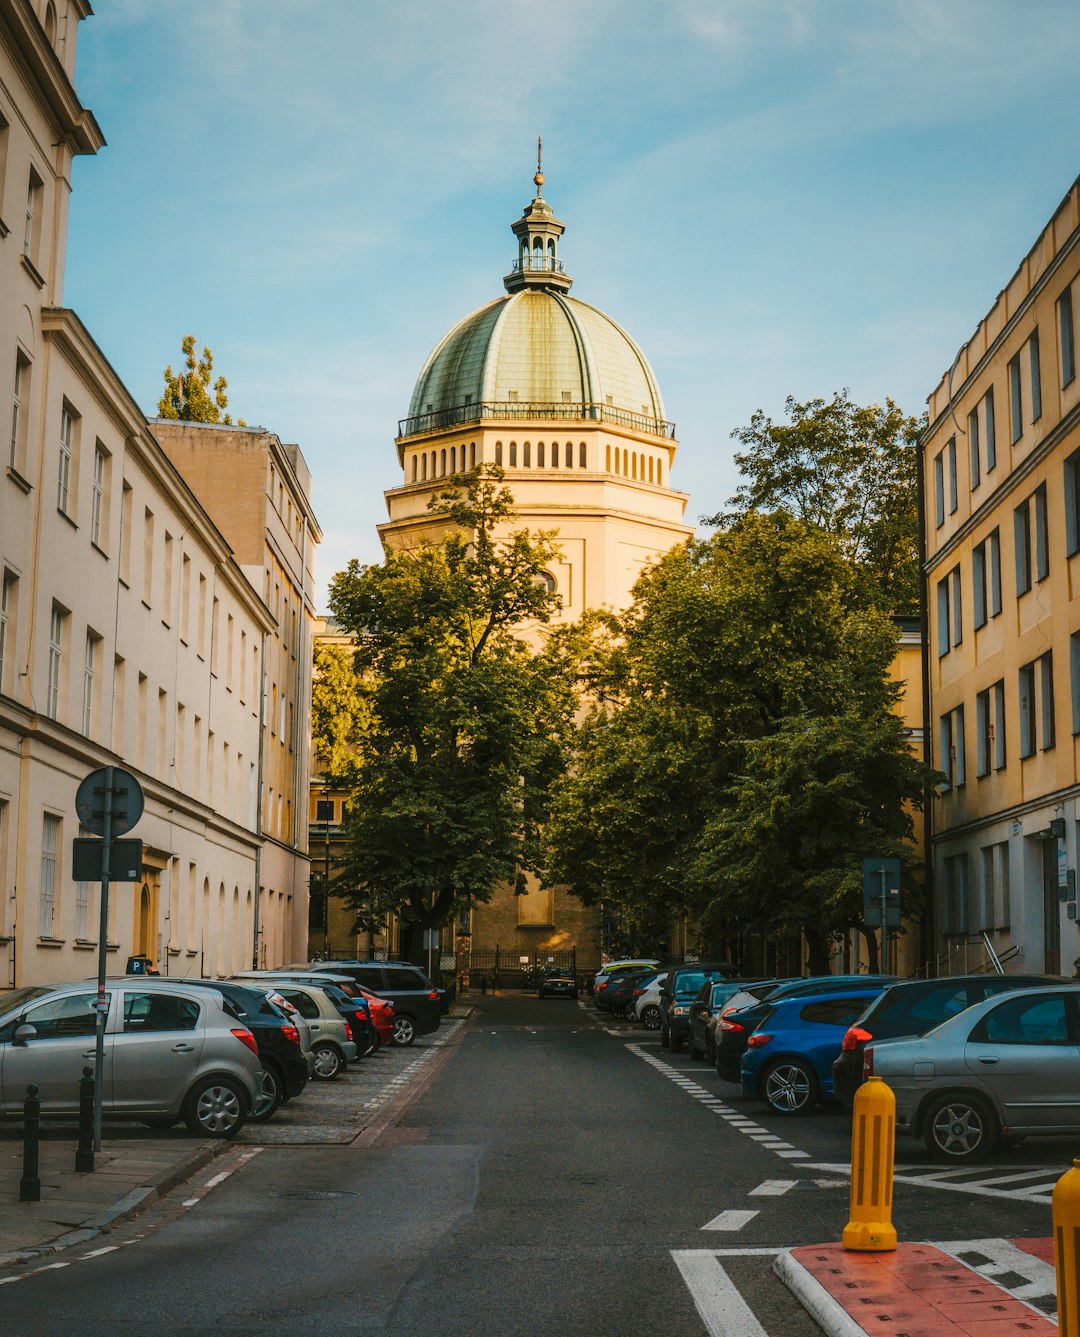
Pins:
x,y
923,1291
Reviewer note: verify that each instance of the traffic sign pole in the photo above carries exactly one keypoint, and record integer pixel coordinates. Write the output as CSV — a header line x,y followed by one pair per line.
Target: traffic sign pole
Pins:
x,y
101,1003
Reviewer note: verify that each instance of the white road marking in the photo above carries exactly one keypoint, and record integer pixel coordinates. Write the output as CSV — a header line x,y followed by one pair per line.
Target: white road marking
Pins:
x,y
1041,1278
218,1179
730,1220
96,1253
772,1188
723,1310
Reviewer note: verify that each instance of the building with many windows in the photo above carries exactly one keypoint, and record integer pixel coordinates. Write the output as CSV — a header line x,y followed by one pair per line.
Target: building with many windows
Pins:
x,y
132,631
1001,461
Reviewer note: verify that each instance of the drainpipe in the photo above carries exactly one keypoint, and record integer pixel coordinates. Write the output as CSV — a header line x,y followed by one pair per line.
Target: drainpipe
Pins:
x,y
256,926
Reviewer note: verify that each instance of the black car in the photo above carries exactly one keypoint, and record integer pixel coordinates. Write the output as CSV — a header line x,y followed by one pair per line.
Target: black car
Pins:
x,y
624,991
557,983
415,998
277,1039
912,1008
704,1011
678,991
735,1029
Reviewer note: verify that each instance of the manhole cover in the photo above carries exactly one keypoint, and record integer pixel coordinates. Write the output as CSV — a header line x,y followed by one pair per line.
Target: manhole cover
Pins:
x,y
316,1194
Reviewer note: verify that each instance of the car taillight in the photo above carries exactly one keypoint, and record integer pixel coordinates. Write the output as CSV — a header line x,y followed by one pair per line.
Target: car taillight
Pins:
x,y
434,995
291,1033
731,1025
638,991
757,1040
348,1031
604,984
246,1038
868,1062
854,1036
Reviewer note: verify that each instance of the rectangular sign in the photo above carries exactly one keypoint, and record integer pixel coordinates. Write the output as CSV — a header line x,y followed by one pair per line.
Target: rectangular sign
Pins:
x,y
125,862
881,875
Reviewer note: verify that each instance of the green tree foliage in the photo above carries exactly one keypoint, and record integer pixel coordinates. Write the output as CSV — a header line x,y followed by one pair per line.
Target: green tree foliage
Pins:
x,y
850,471
468,726
755,703
188,394
340,714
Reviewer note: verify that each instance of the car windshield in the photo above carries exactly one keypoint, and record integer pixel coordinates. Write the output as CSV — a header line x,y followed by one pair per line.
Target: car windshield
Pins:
x,y
689,982
12,999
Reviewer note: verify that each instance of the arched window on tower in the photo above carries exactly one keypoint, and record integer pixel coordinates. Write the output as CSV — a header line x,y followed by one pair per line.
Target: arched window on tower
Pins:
x,y
423,462
582,457
434,463
472,455
498,453
658,478
540,454
650,468
415,466
607,466
633,465
554,454
513,454
526,455
442,461
551,249
453,459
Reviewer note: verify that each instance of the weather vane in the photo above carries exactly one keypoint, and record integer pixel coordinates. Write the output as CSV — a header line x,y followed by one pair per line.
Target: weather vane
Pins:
x,y
539,177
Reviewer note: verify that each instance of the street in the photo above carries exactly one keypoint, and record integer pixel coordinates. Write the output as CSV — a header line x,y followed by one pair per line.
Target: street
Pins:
x,y
548,1171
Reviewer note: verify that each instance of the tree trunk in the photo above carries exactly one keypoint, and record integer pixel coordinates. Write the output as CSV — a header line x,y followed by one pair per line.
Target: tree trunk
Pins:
x,y
817,952
872,961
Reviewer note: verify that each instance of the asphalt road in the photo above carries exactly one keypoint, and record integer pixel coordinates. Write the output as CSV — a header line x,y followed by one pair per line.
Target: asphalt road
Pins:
x,y
553,1175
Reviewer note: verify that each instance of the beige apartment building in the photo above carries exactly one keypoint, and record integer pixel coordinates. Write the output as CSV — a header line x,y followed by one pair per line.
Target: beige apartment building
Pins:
x,y
131,633
1001,460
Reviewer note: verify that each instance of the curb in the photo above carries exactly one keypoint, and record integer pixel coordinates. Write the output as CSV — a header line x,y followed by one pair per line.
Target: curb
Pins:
x,y
131,1204
830,1316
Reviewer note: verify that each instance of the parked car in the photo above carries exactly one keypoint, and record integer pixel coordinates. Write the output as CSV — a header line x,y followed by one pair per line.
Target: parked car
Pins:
x,y
171,1052
788,1058
615,991
647,1001
374,1015
1003,1069
285,1067
677,993
556,982
616,967
704,1011
914,1007
735,1027
415,998
332,1040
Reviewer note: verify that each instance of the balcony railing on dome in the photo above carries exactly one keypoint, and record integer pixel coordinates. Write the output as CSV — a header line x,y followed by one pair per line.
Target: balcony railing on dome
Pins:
x,y
422,423
532,264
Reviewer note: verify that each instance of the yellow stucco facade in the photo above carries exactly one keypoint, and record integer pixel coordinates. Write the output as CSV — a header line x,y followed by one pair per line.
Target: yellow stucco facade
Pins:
x,y
1001,468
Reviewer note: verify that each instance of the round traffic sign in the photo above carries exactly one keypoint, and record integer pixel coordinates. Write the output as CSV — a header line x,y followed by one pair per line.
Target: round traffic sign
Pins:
x,y
109,788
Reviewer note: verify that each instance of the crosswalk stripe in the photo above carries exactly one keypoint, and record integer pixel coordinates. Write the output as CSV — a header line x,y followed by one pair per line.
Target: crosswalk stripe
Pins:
x,y
730,1220
723,1310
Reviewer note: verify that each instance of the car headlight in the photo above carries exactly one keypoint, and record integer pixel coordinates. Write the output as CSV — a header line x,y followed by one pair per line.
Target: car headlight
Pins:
x,y
678,1011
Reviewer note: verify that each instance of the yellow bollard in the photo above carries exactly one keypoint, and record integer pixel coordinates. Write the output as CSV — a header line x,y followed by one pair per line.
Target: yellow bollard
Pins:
x,y
873,1131
1066,1210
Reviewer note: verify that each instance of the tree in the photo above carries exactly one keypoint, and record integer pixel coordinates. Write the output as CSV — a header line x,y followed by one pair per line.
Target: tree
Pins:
x,y
187,395
468,725
340,712
848,470
755,757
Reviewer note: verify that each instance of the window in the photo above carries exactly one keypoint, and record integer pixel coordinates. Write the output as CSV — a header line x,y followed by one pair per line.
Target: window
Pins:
x,y
939,489
125,534
984,733
834,1012
950,456
999,724
952,759
150,1012
1036,377
513,454
1037,1020
167,593
82,902
56,654
148,555
540,454
63,483
32,227
1072,503
950,628
1074,679
1042,535
1022,545
582,458
90,656
978,585
943,645
20,403
1046,688
8,590
955,886
97,495
993,546
526,455
50,849
1027,710
936,1005
1016,403
990,430
71,1015
957,606
973,447
1066,337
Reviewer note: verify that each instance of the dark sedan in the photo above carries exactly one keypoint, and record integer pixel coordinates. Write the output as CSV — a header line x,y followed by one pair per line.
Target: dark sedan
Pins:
x,y
557,983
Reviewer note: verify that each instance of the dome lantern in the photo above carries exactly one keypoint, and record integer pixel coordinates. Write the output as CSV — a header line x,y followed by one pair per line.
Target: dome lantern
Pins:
x,y
538,232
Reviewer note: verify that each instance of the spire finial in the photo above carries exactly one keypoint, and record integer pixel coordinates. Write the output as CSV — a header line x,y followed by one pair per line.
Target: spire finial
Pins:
x,y
538,179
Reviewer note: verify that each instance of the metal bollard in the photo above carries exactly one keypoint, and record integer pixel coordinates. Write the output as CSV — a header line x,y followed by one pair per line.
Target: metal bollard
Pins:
x,y
873,1132
1066,1212
84,1155
30,1183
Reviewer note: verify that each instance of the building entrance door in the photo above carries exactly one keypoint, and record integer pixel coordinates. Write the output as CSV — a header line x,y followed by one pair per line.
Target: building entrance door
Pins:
x,y
1051,910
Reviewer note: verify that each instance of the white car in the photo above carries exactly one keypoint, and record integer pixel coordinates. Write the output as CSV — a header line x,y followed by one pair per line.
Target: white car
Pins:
x,y
647,1007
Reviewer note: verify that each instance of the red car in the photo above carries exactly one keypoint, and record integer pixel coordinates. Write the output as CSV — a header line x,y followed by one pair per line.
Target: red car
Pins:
x,y
382,1013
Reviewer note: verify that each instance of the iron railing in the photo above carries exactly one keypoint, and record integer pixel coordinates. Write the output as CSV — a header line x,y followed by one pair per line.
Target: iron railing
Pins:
x,y
422,423
533,264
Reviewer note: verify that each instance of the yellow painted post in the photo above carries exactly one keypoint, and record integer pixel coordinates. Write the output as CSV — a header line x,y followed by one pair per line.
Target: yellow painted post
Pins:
x,y
1066,1212
873,1132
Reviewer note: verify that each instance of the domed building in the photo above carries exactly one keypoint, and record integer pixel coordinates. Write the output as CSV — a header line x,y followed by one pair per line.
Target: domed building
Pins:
x,y
560,396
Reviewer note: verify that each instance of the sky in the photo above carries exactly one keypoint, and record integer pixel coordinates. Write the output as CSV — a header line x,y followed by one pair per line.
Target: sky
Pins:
x,y
773,197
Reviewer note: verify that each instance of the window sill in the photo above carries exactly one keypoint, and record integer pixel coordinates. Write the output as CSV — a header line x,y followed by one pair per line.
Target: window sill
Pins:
x,y
32,270
64,516
193,951
51,942
99,549
23,484
4,229
84,945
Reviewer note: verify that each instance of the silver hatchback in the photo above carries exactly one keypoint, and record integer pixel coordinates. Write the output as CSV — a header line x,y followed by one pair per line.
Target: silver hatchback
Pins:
x,y
1005,1068
332,1040
170,1053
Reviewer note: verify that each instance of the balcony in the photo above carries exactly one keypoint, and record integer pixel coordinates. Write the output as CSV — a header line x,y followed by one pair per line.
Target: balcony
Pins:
x,y
422,424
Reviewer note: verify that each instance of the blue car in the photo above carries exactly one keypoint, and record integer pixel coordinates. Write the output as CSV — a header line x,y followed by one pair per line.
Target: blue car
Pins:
x,y
789,1057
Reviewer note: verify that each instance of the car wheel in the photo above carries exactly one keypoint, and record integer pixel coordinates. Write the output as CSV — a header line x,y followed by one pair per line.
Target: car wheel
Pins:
x,y
650,1017
959,1128
789,1087
404,1031
329,1062
273,1094
216,1107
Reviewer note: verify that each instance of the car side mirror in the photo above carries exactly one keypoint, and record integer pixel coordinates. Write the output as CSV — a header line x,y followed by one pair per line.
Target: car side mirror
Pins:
x,y
24,1033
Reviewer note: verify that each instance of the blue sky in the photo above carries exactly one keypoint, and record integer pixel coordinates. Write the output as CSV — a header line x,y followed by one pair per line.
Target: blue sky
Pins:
x,y
772,196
